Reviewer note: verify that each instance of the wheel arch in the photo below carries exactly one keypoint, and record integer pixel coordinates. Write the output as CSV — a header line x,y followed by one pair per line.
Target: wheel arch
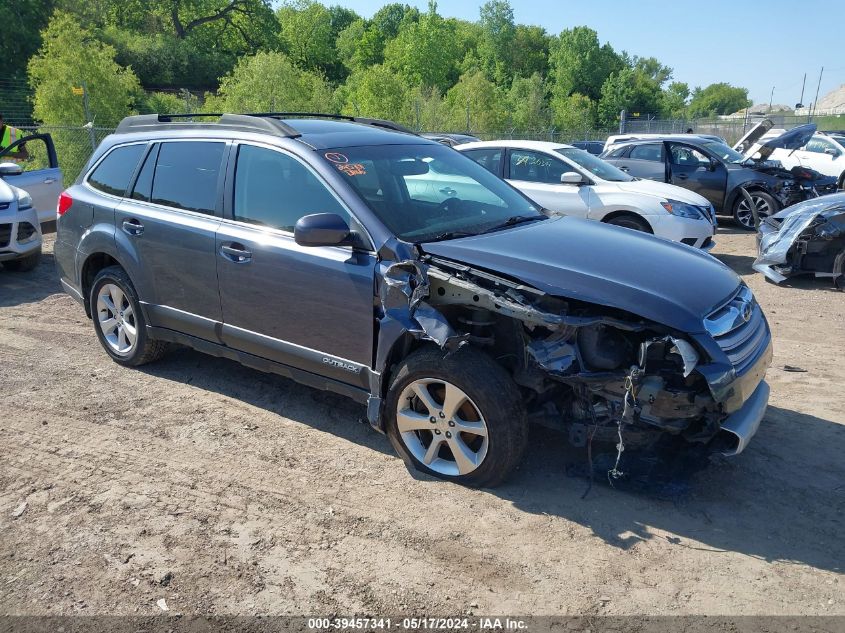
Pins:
x,y
90,268
627,212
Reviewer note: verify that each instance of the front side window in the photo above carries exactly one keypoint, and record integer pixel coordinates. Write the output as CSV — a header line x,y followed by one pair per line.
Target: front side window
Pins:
x,y
490,159
687,156
594,165
818,145
424,192
114,171
274,189
186,175
536,167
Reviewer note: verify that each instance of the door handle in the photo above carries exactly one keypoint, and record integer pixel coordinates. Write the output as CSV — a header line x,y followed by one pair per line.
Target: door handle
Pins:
x,y
448,191
49,181
624,168
236,253
681,176
132,227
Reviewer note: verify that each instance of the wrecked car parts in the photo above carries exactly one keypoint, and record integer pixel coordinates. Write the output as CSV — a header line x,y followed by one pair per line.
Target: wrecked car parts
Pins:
x,y
808,238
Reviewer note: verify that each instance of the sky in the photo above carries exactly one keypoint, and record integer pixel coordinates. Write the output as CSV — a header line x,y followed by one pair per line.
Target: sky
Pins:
x,y
755,45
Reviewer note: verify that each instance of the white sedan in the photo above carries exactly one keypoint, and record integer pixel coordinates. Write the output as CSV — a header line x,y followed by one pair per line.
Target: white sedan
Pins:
x,y
570,181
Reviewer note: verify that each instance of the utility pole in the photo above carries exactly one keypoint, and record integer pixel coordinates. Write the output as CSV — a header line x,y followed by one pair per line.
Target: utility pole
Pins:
x,y
815,106
800,103
89,123
771,97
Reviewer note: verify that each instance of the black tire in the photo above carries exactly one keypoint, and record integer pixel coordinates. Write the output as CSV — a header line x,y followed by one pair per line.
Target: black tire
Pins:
x,y
746,223
145,349
24,264
630,221
489,388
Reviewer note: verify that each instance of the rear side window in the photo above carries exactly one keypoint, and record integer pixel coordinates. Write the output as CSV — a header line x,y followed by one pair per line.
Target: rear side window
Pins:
x,y
649,151
113,173
275,190
186,175
490,159
619,152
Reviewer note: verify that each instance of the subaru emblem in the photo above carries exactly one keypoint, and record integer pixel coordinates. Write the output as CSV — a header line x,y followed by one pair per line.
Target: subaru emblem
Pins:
x,y
746,311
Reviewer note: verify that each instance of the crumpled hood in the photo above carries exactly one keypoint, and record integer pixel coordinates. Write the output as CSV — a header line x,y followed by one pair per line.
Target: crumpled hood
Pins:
x,y
791,139
664,191
657,279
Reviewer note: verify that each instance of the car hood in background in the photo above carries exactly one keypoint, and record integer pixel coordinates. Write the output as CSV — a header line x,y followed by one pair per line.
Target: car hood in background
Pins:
x,y
753,135
791,139
657,279
662,190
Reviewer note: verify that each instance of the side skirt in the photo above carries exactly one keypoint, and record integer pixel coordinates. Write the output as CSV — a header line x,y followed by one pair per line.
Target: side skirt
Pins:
x,y
261,364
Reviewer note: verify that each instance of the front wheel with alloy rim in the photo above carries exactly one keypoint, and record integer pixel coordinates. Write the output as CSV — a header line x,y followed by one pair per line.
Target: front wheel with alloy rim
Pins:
x,y
457,416
766,206
118,319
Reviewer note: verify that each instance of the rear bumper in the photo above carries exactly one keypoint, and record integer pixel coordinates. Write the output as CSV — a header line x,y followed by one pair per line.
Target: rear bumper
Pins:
x,y
740,426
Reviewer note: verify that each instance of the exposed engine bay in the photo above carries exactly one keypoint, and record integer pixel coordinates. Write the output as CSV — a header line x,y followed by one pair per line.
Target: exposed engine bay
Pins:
x,y
595,373
806,239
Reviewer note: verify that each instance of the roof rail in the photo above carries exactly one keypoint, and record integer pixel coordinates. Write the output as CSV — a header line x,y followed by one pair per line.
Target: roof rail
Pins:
x,y
240,122
388,125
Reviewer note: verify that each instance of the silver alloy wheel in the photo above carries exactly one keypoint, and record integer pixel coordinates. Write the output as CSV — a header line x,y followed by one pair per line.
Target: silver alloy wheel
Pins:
x,y
744,215
117,319
442,427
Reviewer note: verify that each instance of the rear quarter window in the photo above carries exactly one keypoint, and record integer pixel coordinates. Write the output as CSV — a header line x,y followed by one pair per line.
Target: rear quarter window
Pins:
x,y
113,173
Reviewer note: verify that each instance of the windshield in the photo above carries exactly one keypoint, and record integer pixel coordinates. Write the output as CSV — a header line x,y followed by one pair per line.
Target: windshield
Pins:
x,y
596,166
430,192
723,151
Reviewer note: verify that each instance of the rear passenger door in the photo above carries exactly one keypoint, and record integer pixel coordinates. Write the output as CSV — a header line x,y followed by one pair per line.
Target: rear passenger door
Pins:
x,y
644,161
167,226
307,307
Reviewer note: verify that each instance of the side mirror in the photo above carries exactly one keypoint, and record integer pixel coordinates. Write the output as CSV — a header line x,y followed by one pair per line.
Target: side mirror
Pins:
x,y
10,169
322,229
571,178
831,151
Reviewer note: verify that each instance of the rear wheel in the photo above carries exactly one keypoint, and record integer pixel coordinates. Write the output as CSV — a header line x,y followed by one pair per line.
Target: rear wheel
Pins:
x,y
119,321
24,264
766,206
457,416
630,221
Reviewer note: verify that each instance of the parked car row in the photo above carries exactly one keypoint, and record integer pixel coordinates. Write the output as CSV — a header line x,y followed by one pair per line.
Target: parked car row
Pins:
x,y
353,256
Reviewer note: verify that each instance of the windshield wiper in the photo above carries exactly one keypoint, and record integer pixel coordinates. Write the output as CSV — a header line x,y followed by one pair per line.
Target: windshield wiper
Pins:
x,y
513,221
449,235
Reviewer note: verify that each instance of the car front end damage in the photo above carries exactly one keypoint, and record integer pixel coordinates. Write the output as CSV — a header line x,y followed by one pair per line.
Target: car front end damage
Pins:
x,y
599,374
806,239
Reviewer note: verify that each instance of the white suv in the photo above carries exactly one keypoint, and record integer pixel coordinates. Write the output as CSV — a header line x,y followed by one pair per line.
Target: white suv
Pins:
x,y
570,181
20,230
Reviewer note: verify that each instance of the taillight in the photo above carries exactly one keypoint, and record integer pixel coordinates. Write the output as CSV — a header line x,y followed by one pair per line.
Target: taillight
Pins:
x,y
65,201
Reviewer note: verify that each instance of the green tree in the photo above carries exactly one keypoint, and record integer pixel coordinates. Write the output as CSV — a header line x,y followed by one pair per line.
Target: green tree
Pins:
x,y
360,45
270,81
530,51
719,98
70,56
527,103
580,64
22,22
629,89
428,111
379,93
390,18
425,52
495,48
675,100
574,115
306,34
475,104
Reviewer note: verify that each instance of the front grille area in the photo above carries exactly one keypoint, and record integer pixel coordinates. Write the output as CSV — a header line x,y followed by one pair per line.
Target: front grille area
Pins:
x,y
5,234
740,329
25,231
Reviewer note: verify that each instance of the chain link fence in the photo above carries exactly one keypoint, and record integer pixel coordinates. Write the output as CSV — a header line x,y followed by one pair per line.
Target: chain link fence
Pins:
x,y
74,146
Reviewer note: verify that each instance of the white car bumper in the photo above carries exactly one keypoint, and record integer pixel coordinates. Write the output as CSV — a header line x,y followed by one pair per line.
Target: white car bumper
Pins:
x,y
695,233
20,233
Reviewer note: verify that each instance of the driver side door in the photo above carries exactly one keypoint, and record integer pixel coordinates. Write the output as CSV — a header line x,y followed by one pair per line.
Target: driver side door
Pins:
x,y
692,169
306,307
41,177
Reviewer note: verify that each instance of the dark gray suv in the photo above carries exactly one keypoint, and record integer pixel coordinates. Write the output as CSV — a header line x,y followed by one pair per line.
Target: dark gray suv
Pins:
x,y
320,249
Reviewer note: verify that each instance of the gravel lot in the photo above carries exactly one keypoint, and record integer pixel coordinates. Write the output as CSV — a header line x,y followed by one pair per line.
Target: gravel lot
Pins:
x,y
226,491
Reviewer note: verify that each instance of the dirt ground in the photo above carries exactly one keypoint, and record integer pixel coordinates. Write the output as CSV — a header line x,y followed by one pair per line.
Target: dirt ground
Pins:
x,y
223,490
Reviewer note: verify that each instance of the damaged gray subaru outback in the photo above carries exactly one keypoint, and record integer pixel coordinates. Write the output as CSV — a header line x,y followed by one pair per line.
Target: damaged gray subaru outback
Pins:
x,y
322,248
